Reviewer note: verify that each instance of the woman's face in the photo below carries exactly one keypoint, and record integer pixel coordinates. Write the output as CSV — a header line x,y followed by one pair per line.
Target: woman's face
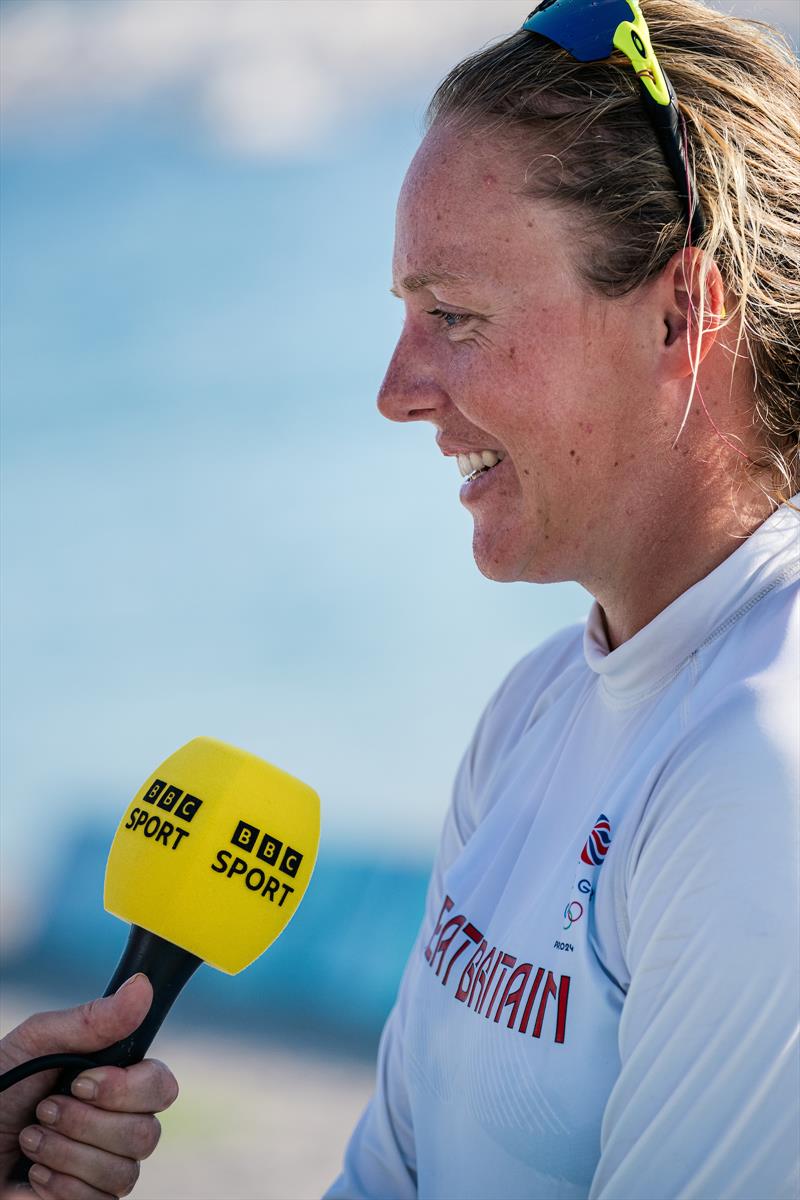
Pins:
x,y
504,352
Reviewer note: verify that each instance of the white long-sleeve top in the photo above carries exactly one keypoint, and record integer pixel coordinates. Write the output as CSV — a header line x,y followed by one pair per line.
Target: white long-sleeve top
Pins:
x,y
603,998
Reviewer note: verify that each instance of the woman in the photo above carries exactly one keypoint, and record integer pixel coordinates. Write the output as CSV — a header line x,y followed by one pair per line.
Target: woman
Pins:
x,y
604,990
603,997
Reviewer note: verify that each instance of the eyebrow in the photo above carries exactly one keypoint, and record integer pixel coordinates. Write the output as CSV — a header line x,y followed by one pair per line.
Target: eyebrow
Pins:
x,y
414,283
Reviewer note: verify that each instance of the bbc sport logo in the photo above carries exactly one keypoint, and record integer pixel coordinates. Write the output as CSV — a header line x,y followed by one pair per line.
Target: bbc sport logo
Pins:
x,y
164,795
246,836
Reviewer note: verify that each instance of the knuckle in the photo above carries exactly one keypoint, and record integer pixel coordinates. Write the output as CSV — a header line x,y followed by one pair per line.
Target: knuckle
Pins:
x,y
47,1152
110,1083
60,1187
65,1187
27,1027
146,1136
57,1152
26,1040
55,1187
71,1189
164,1083
128,1175
74,1118
171,1091
89,1014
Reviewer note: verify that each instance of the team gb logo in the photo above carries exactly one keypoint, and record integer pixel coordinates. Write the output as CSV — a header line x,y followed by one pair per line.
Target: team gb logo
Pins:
x,y
597,843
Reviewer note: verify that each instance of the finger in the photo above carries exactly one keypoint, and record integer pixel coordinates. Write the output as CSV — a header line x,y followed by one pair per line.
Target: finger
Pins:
x,y
50,1185
88,1027
146,1087
133,1135
101,1170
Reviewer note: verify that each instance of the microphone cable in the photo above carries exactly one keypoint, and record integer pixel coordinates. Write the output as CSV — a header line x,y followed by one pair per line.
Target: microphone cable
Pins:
x,y
45,1062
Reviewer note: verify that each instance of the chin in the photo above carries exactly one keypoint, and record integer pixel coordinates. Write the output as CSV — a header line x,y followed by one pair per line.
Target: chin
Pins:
x,y
506,558
495,559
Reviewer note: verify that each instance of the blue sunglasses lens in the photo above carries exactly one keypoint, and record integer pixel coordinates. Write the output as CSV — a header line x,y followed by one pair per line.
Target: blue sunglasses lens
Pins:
x,y
585,28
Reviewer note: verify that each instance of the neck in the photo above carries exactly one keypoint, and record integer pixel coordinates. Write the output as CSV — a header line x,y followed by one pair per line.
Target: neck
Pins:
x,y
666,555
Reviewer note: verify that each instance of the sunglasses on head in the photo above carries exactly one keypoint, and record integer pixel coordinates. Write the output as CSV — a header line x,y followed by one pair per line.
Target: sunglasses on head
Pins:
x,y
590,30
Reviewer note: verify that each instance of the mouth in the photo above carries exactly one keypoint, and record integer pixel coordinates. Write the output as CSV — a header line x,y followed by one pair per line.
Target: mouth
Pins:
x,y
478,462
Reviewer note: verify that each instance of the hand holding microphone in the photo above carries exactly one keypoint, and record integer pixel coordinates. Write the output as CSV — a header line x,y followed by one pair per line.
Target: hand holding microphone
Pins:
x,y
209,863
93,1145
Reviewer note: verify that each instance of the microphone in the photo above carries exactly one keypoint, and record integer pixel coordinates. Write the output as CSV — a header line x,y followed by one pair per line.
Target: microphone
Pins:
x,y
209,864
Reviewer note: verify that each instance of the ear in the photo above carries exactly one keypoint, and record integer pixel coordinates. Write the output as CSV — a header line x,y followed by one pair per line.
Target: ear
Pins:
x,y
684,295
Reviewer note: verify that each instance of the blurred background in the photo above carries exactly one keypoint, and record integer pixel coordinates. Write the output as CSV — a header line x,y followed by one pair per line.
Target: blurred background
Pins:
x,y
207,528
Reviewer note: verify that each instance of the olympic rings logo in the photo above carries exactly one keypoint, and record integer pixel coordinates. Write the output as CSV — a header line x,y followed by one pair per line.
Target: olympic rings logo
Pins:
x,y
573,912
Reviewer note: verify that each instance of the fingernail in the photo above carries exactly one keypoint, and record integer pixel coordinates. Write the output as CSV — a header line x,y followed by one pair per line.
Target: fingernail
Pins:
x,y
47,1112
84,1089
31,1138
127,982
38,1173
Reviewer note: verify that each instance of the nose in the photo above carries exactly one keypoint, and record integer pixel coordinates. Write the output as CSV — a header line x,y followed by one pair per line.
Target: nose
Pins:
x,y
409,391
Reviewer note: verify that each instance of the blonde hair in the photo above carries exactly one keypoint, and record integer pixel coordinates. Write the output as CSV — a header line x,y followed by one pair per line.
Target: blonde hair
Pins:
x,y
739,93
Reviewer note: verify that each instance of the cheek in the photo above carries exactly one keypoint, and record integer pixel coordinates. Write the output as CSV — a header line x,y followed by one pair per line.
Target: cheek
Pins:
x,y
562,372
534,381
479,388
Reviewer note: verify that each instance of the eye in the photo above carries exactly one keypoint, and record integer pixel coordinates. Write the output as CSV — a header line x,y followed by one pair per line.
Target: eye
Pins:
x,y
450,319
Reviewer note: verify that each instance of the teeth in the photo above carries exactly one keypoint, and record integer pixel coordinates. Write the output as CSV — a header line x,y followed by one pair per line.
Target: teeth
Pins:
x,y
476,461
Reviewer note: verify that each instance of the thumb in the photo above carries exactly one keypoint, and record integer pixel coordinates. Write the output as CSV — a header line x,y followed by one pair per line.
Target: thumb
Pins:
x,y
85,1028
90,1026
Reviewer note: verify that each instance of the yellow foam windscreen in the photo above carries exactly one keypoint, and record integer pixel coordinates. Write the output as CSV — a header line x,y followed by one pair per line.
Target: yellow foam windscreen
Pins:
x,y
214,853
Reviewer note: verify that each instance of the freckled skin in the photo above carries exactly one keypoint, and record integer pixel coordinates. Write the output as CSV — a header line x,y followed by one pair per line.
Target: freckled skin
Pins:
x,y
567,383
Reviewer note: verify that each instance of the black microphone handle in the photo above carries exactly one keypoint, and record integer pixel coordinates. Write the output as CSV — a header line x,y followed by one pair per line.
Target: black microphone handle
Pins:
x,y
168,968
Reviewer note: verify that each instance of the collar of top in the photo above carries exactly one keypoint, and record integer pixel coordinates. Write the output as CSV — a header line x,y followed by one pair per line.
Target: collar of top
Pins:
x,y
648,661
